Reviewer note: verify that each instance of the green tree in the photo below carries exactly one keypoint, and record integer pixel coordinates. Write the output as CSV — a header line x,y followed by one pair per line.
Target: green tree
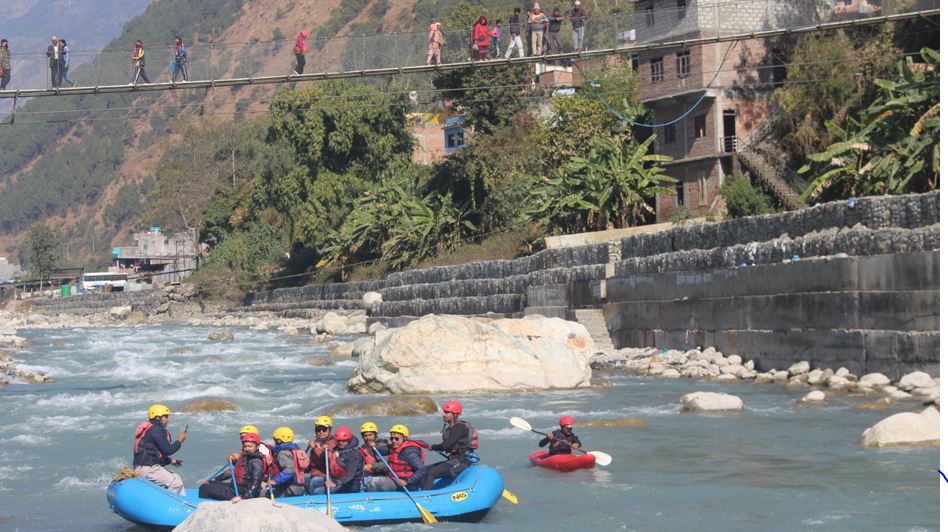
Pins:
x,y
892,147
744,199
488,97
44,252
612,187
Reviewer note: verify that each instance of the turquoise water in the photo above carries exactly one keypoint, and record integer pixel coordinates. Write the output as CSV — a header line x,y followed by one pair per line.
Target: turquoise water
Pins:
x,y
773,467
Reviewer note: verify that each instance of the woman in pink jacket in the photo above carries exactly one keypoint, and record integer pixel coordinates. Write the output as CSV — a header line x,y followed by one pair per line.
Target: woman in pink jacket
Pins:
x,y
300,50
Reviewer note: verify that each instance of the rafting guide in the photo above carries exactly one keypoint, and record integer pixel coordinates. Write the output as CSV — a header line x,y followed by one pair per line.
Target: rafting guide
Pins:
x,y
153,448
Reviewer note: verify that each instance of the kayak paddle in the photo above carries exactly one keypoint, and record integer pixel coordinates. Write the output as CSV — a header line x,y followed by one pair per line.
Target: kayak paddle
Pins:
x,y
425,514
602,458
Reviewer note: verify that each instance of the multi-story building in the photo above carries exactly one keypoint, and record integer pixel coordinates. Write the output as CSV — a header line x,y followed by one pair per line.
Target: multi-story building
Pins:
x,y
707,96
159,259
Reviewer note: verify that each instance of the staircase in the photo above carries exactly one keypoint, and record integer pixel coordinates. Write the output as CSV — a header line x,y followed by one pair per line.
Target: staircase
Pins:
x,y
773,180
594,322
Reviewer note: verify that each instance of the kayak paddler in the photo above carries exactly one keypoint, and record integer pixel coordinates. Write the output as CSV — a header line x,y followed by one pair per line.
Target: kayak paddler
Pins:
x,y
562,441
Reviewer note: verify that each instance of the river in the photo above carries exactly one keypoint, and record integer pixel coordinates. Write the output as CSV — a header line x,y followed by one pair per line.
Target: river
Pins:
x,y
775,466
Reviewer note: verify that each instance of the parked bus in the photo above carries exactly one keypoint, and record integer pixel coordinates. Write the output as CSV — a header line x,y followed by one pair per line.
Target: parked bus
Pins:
x,y
98,280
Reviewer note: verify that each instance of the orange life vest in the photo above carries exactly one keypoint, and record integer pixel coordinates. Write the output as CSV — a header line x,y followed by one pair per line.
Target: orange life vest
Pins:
x,y
400,467
240,468
300,465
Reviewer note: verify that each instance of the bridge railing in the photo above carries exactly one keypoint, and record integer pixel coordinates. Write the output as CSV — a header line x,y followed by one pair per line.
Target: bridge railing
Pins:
x,y
222,60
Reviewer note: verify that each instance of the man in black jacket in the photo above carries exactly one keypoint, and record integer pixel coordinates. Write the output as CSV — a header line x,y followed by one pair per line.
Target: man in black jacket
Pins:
x,y
458,441
153,449
249,472
562,441
55,55
345,463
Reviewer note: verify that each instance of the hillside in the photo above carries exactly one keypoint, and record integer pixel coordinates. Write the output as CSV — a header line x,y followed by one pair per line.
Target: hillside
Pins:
x,y
87,26
85,164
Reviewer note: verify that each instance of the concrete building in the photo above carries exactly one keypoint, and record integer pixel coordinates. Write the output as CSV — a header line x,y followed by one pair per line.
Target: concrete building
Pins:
x,y
8,270
158,259
711,96
437,135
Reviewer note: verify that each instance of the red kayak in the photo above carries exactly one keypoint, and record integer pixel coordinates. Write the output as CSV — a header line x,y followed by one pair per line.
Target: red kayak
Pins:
x,y
563,462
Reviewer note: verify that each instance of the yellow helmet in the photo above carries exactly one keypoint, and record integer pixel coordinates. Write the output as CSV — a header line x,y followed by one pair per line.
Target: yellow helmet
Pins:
x,y
368,426
249,429
284,434
158,411
400,429
325,421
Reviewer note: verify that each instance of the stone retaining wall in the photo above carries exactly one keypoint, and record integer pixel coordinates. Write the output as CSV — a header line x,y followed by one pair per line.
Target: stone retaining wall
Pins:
x,y
146,301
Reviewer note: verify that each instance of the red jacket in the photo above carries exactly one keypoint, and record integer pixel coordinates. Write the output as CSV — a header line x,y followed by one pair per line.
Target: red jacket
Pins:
x,y
481,34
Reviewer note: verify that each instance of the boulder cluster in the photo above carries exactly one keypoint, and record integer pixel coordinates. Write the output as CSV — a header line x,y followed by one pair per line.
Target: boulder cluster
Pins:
x,y
710,364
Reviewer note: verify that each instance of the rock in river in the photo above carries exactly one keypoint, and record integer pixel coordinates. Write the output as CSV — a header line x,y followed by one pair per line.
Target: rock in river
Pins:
x,y
456,354
387,406
209,404
255,515
220,336
907,428
710,402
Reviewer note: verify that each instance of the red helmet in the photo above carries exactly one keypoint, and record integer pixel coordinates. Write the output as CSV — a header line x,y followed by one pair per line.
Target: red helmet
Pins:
x,y
453,407
567,421
250,436
344,433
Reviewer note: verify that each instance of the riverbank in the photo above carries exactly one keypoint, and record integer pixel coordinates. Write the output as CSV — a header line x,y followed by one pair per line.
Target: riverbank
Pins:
x,y
798,464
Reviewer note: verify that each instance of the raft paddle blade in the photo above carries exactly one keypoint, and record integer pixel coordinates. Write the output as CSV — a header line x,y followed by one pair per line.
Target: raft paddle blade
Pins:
x,y
602,458
511,497
426,515
521,423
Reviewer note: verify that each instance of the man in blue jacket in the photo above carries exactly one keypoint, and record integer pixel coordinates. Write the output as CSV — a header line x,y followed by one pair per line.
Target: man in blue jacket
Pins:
x,y
153,449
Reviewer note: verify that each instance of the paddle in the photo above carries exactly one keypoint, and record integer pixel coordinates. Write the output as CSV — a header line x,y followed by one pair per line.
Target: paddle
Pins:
x,y
219,471
602,458
328,496
506,494
425,514
233,478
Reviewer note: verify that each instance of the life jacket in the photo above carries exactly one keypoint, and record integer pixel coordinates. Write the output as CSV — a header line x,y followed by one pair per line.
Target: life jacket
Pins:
x,y
300,465
240,468
469,443
400,467
316,460
140,432
367,454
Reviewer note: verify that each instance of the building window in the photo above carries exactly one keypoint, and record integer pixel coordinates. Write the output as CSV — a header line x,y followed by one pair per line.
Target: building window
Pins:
x,y
650,15
658,69
680,193
454,139
701,127
682,8
683,61
670,134
635,62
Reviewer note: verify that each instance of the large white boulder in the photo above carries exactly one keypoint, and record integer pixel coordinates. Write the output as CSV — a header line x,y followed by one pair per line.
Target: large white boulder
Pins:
x,y
256,515
371,299
710,402
799,367
570,333
120,313
873,380
907,428
915,379
456,354
341,325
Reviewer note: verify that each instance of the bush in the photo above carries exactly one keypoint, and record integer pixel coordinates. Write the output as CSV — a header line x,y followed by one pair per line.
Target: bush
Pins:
x,y
744,199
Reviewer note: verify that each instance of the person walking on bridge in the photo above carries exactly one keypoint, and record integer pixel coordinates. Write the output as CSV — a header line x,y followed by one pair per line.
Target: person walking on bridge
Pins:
x,y
515,40
64,64
138,61
300,50
435,43
538,23
4,63
54,54
578,18
180,60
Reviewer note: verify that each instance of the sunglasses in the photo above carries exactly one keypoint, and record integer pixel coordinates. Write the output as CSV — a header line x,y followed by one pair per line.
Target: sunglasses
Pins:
x,y
323,429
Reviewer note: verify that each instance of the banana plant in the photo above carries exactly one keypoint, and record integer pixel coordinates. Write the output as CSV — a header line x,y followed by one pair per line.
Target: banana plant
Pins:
x,y
891,147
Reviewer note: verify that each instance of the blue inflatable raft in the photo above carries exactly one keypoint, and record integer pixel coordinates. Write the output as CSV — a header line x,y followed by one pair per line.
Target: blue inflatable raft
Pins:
x,y
468,498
